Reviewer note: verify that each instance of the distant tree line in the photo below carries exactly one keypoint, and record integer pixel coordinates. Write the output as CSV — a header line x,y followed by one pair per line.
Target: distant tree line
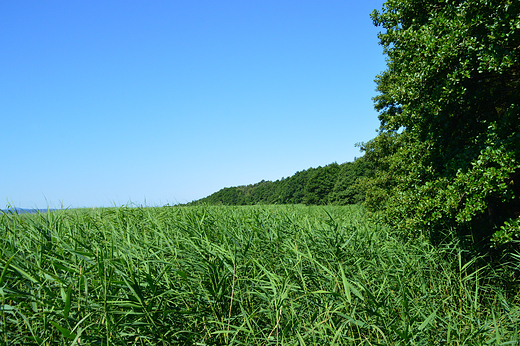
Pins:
x,y
332,184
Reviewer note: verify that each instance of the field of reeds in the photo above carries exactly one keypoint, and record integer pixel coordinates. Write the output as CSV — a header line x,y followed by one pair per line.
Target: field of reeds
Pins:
x,y
259,275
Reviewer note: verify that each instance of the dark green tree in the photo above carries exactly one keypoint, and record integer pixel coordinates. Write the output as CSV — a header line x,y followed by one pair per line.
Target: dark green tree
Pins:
x,y
448,149
321,184
346,190
293,189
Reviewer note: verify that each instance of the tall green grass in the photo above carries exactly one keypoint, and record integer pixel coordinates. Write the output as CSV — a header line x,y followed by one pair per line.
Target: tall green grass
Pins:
x,y
260,275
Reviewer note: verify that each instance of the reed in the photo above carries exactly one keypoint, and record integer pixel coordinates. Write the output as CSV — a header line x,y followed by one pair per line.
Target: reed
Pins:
x,y
257,275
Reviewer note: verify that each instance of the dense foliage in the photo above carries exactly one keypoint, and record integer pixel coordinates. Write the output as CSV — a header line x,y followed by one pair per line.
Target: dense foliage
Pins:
x,y
255,275
448,151
332,184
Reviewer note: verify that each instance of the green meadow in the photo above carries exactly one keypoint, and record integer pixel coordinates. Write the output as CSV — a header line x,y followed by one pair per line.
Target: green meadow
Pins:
x,y
250,275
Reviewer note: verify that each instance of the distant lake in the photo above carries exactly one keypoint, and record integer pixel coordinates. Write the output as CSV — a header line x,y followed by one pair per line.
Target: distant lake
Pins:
x,y
25,211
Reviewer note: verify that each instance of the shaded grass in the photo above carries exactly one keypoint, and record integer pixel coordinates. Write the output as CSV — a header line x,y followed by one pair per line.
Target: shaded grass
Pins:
x,y
258,275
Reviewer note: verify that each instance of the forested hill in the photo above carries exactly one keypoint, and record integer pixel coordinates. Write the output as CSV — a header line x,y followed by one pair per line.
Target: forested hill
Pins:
x,y
331,184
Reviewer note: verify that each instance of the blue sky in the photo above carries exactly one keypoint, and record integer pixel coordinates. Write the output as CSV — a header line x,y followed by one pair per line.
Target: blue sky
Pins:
x,y
152,102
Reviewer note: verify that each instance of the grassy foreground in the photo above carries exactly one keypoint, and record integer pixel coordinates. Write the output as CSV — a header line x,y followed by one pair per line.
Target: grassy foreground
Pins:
x,y
262,275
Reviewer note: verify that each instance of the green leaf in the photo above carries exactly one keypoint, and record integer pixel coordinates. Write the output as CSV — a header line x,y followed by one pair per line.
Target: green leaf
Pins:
x,y
64,331
68,296
346,285
428,320
4,272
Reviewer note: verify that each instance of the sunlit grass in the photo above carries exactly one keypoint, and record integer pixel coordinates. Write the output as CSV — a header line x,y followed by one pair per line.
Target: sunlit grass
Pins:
x,y
262,275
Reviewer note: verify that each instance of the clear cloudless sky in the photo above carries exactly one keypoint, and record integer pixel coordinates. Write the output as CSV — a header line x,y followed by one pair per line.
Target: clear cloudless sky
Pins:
x,y
106,103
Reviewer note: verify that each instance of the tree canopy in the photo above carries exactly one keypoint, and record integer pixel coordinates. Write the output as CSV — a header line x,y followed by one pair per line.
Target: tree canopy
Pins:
x,y
448,149
331,184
